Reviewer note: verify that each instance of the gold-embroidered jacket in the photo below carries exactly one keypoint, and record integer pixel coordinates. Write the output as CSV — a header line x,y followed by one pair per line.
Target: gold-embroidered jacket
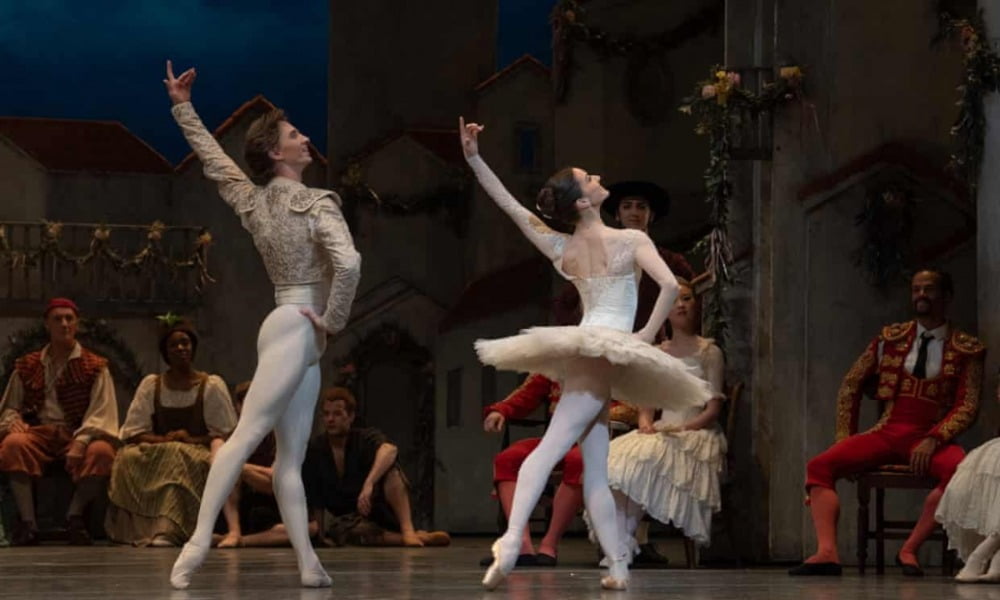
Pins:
x,y
955,390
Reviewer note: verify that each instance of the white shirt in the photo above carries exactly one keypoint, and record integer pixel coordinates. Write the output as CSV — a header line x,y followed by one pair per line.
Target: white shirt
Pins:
x,y
935,350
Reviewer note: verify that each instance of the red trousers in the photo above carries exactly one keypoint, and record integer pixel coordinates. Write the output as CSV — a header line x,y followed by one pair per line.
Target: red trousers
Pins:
x,y
507,464
891,444
30,451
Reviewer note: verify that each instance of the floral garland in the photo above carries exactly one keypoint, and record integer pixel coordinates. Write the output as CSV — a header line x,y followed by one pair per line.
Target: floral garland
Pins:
x,y
887,225
717,104
980,76
151,255
452,198
569,25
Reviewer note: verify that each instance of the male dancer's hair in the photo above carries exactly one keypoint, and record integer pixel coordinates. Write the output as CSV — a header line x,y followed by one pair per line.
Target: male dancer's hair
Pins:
x,y
262,137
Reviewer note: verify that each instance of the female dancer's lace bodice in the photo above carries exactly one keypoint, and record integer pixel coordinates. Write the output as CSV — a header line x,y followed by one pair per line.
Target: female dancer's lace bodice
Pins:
x,y
299,231
608,300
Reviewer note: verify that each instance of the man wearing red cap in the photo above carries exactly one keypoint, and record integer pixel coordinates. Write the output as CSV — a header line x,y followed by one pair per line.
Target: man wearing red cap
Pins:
x,y
59,403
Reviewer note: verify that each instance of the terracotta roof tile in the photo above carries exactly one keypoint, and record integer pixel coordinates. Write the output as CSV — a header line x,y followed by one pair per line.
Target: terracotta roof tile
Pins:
x,y
442,143
526,60
78,145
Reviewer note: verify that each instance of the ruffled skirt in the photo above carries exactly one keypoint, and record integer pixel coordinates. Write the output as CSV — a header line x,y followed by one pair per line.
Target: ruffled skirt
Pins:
x,y
970,507
673,477
644,374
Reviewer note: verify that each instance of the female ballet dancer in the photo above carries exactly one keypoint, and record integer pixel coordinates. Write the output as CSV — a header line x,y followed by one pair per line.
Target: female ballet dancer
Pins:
x,y
598,358
303,239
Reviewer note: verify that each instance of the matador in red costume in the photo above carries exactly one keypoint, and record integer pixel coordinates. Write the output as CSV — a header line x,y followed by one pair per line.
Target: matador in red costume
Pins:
x,y
929,376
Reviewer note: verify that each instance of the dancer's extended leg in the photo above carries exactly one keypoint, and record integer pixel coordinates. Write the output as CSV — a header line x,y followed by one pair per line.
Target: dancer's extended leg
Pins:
x,y
292,437
584,396
286,348
601,504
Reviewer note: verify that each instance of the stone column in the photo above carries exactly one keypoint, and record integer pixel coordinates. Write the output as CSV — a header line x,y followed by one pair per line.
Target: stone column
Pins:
x,y
988,238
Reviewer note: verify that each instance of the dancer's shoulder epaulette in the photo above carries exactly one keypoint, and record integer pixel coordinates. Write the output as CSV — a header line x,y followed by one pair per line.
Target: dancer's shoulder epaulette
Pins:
x,y
897,331
966,344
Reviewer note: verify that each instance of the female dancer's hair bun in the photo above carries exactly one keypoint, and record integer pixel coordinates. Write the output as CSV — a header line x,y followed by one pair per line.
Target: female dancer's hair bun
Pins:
x,y
557,198
546,202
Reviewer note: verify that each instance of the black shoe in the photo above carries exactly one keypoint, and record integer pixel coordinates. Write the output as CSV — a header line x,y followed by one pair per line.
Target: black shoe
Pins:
x,y
909,570
545,560
24,534
77,533
649,558
810,569
523,560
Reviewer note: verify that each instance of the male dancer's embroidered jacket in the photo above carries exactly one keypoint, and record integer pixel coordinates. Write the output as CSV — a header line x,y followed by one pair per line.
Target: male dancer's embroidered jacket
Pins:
x,y
279,216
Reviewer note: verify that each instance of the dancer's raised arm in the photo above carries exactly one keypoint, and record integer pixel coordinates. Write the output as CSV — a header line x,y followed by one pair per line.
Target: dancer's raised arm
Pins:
x,y
234,185
547,240
650,261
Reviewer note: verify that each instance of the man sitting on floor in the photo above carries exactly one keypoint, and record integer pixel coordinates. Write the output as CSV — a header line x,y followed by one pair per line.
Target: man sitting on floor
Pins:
x,y
354,475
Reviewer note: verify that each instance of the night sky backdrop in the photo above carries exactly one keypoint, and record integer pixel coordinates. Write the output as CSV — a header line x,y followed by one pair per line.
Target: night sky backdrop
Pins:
x,y
103,59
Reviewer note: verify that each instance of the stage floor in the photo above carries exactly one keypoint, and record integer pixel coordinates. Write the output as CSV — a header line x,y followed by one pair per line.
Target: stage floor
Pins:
x,y
118,573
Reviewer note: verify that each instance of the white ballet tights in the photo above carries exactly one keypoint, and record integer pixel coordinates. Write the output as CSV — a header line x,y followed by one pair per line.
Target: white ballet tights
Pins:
x,y
986,553
578,416
282,398
628,514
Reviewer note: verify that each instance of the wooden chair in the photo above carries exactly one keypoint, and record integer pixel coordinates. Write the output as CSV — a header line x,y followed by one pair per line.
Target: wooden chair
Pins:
x,y
879,480
899,477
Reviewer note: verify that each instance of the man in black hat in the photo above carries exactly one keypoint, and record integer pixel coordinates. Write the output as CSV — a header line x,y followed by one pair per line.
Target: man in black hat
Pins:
x,y
636,205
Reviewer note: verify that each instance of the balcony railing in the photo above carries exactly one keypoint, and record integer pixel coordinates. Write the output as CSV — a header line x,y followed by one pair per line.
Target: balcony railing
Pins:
x,y
135,268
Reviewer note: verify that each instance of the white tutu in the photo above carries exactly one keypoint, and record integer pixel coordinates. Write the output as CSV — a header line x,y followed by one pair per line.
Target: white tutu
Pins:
x,y
646,376
970,507
674,477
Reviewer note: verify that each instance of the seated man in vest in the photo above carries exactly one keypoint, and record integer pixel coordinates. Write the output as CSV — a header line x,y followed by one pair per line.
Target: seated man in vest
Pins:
x,y
929,375
59,404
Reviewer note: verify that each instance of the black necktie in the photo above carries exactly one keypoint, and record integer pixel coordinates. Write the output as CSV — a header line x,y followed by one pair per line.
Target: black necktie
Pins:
x,y
920,369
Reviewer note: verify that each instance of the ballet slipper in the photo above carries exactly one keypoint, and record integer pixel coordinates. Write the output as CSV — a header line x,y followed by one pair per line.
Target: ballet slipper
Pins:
x,y
504,560
617,577
188,561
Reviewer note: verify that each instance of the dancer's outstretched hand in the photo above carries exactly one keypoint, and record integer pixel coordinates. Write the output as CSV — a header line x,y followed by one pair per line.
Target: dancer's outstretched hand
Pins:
x,y
469,134
316,320
179,88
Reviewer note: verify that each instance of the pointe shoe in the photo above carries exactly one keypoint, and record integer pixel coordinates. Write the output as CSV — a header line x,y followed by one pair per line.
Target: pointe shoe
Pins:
x,y
992,575
316,577
503,563
312,574
973,569
188,561
617,577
